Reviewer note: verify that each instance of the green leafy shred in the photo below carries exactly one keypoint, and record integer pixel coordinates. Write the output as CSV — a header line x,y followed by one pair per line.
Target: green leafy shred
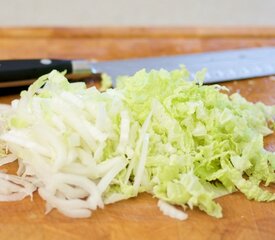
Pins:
x,y
200,135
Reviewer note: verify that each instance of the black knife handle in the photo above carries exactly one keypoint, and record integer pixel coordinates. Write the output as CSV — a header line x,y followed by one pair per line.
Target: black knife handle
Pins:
x,y
11,70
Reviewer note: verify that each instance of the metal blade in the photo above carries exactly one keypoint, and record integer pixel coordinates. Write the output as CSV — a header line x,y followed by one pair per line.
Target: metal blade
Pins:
x,y
221,65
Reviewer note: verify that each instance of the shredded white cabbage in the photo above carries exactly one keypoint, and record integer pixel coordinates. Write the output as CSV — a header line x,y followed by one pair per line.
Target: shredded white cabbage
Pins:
x,y
14,188
171,211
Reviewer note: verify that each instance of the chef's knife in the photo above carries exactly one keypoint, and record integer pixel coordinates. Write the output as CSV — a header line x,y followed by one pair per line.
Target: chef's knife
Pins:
x,y
221,65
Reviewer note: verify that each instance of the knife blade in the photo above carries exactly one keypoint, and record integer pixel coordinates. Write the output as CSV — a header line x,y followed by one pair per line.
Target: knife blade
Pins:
x,y
221,66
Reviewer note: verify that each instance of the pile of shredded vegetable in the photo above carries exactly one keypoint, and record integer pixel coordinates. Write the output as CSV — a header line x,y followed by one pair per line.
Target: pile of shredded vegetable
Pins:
x,y
157,132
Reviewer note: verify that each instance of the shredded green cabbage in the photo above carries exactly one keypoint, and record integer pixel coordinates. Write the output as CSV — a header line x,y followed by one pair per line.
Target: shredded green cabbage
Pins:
x,y
157,132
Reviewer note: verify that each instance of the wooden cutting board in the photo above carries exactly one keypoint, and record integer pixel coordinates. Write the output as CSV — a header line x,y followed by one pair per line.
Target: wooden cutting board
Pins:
x,y
139,218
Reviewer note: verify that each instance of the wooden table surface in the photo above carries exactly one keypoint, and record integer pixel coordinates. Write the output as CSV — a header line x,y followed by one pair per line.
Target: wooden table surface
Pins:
x,y
139,218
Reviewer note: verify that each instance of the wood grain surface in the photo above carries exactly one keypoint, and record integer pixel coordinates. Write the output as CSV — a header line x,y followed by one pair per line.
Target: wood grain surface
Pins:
x,y
139,218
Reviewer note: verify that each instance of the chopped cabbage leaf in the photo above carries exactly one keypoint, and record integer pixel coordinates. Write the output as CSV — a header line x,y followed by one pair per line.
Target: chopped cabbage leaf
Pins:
x,y
157,132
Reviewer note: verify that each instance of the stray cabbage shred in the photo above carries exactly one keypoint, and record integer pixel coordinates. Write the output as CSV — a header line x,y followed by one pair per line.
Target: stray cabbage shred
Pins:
x,y
157,132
